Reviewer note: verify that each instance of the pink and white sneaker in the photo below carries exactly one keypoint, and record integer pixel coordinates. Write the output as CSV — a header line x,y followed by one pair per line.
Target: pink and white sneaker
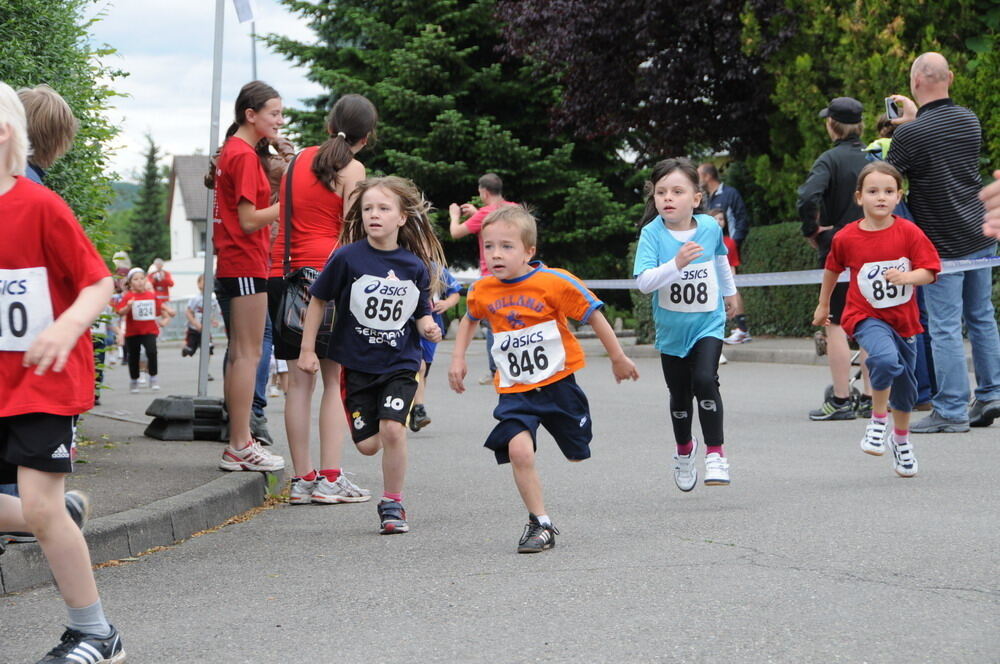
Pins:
x,y
251,457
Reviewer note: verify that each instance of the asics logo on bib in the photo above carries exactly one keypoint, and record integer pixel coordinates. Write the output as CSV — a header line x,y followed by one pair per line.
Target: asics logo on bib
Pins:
x,y
697,273
522,341
385,289
14,287
882,269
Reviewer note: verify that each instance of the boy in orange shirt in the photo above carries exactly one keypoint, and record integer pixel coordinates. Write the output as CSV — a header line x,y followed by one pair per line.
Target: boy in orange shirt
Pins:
x,y
526,305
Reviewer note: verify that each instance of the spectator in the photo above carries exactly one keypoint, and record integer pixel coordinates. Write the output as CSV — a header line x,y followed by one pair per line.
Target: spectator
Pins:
x,y
161,280
937,148
726,198
990,195
826,204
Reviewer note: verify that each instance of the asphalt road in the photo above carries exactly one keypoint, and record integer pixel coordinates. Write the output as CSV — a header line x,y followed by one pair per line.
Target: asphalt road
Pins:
x,y
815,553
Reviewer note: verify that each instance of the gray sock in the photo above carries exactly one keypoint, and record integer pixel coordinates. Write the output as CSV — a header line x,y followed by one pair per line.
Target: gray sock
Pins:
x,y
89,620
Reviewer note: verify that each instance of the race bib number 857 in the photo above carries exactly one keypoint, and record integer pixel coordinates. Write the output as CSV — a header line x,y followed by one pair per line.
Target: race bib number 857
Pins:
x,y
879,292
25,307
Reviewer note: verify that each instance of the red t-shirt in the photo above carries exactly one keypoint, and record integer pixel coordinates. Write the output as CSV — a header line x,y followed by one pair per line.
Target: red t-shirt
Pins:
x,y
734,252
868,254
239,176
45,261
141,316
475,224
317,217
162,282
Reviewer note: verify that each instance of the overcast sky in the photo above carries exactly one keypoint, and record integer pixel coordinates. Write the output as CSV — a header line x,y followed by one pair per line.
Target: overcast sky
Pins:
x,y
167,47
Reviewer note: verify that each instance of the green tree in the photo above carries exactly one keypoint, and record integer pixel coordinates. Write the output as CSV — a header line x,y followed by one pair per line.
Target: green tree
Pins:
x,y
47,42
148,221
451,108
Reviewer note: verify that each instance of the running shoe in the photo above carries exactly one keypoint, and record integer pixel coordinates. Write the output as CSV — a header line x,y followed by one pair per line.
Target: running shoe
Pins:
x,y
392,517
273,391
935,423
79,648
251,457
863,407
982,413
685,469
418,418
903,460
78,506
716,470
133,386
341,491
722,359
301,491
258,428
487,379
154,383
738,336
831,411
874,441
536,537
143,379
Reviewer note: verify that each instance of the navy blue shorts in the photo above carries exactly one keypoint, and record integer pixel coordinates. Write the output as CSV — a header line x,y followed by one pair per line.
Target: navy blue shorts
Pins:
x,y
561,407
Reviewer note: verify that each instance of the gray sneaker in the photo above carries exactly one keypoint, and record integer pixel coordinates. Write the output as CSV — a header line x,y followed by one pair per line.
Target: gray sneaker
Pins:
x,y
982,413
258,427
934,423
341,491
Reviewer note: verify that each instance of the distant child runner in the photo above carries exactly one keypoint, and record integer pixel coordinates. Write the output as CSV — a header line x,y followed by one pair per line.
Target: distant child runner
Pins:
x,y
381,278
144,315
526,304
193,312
741,334
47,379
681,256
887,256
441,301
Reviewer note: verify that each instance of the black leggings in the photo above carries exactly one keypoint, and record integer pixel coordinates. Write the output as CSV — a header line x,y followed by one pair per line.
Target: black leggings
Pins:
x,y
147,341
695,376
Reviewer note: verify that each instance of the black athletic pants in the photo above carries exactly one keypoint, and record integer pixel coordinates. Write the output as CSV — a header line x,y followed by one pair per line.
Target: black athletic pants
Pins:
x,y
695,377
132,344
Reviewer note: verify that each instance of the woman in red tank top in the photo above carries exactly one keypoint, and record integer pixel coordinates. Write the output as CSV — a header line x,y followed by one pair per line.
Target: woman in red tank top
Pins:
x,y
324,179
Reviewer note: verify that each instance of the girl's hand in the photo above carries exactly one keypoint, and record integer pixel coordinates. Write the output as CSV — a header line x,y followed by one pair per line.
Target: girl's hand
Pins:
x,y
50,349
456,374
894,276
429,329
439,307
822,316
308,361
689,252
624,368
730,302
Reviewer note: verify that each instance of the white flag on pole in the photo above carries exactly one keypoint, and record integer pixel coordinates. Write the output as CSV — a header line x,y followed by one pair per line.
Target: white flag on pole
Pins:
x,y
246,10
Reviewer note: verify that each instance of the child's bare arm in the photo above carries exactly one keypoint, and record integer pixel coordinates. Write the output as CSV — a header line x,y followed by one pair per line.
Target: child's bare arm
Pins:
x,y
428,329
52,347
458,369
822,315
919,277
308,361
447,303
622,367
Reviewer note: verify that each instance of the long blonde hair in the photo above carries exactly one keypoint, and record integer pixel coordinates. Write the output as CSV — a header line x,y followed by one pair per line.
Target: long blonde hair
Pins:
x,y
416,235
12,114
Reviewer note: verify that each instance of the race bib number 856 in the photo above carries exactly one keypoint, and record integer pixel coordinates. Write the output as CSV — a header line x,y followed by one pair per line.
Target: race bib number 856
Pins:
x,y
383,304
25,307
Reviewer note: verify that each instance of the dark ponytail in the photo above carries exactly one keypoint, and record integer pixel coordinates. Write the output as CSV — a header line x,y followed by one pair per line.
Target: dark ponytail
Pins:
x,y
352,119
254,95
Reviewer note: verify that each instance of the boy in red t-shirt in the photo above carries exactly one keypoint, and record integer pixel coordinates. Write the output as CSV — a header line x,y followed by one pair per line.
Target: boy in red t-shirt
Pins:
x,y
53,285
526,305
887,256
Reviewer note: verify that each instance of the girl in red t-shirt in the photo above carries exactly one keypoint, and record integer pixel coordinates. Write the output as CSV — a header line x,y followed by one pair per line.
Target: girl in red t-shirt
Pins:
x,y
323,183
144,315
741,334
242,216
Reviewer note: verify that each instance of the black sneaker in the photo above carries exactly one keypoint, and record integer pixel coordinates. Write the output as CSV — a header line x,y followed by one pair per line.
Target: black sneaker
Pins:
x,y
833,411
78,506
393,518
536,537
258,428
863,408
187,351
982,413
77,647
418,418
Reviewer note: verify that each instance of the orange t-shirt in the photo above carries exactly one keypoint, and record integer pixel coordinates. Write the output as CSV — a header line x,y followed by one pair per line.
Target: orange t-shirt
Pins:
x,y
532,343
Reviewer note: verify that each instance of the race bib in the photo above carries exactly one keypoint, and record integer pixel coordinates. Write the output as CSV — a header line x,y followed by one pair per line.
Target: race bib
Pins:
x,y
879,292
529,355
383,304
143,310
696,291
25,307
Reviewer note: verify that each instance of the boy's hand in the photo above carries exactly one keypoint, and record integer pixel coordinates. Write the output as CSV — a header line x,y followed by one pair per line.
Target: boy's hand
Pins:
x,y
689,252
822,316
624,368
456,374
730,302
897,278
429,329
308,361
50,349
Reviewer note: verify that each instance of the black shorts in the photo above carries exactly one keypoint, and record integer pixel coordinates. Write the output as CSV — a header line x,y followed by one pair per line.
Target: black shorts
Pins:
x,y
375,397
40,441
837,301
282,349
561,407
237,286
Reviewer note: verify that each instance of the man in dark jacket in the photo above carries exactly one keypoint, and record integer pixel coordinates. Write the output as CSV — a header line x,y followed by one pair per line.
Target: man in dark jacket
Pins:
x,y
826,204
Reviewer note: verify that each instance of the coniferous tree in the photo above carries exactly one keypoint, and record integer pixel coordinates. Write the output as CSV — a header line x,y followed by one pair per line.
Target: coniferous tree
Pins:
x,y
148,224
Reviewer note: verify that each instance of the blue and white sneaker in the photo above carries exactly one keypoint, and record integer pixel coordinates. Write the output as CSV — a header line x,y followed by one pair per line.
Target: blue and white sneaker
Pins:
x,y
685,469
79,648
716,470
392,517
903,460
874,441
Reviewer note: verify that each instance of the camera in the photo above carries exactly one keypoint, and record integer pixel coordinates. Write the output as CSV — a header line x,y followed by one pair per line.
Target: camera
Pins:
x,y
891,108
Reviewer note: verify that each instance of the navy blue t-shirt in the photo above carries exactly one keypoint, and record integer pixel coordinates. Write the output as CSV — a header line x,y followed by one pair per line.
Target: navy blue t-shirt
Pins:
x,y
379,295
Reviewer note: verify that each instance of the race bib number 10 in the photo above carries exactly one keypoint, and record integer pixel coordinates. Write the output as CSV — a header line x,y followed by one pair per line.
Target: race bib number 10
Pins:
x,y
529,355
383,304
879,292
25,307
696,291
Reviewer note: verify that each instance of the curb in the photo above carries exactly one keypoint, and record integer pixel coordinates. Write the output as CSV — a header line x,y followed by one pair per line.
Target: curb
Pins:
x,y
133,531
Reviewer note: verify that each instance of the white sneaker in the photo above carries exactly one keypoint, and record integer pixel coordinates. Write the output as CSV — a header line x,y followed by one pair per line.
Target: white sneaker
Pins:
x,y
722,359
341,491
738,336
143,379
133,386
301,491
685,470
273,391
154,382
874,441
903,461
251,457
716,470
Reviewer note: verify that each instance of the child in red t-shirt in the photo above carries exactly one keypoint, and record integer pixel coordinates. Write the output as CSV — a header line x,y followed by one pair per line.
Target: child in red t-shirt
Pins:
x,y
144,315
741,334
887,257
53,285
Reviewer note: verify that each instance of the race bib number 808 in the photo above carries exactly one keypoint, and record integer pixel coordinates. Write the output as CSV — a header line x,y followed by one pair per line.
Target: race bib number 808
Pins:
x,y
25,307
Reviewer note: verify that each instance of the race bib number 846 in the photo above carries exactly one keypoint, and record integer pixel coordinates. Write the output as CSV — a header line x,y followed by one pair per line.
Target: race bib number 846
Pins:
x,y
25,307
529,355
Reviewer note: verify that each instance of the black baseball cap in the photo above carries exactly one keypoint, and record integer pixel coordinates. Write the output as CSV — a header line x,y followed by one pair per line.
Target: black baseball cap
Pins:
x,y
846,110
